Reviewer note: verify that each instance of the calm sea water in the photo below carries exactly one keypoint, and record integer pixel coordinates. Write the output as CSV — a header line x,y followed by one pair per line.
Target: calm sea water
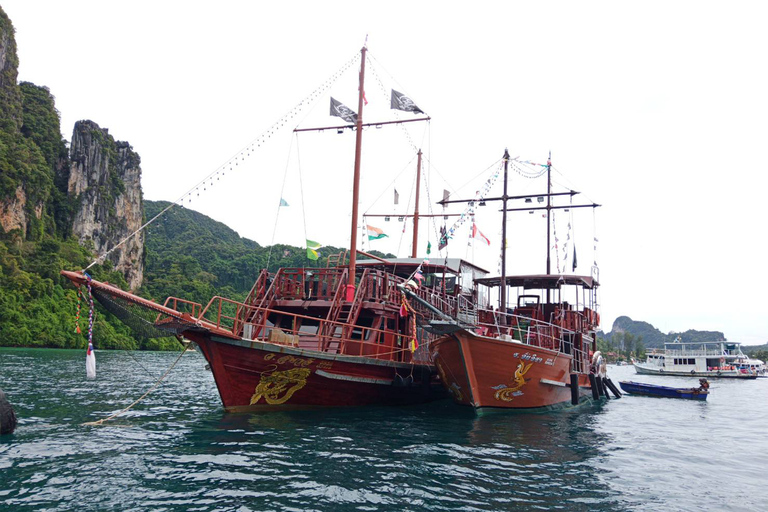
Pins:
x,y
178,450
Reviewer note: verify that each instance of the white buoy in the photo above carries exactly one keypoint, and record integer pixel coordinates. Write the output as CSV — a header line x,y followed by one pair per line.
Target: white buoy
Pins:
x,y
90,362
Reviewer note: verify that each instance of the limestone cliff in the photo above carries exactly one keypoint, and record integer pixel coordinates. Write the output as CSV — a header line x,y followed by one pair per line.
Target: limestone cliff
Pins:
x,y
92,192
104,177
10,97
13,195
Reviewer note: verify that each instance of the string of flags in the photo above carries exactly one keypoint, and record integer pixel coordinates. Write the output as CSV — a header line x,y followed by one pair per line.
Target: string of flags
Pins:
x,y
469,211
233,163
308,101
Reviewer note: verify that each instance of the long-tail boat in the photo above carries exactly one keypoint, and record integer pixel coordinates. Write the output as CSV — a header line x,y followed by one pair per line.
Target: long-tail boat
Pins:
x,y
307,337
536,354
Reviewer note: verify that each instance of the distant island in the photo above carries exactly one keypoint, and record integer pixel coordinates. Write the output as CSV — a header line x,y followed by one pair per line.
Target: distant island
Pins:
x,y
630,338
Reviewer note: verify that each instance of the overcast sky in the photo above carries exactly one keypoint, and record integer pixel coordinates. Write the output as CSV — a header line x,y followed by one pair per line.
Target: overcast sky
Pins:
x,y
656,110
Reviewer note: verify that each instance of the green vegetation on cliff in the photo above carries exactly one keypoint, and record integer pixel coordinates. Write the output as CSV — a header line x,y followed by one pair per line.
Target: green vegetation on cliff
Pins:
x,y
38,307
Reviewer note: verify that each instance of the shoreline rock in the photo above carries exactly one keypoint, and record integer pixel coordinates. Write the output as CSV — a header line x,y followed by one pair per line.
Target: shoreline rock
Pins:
x,y
7,415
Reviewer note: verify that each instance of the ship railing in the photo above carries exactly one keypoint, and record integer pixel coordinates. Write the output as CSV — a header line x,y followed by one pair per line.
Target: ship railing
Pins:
x,y
692,353
466,310
530,331
322,283
307,283
381,286
302,331
183,306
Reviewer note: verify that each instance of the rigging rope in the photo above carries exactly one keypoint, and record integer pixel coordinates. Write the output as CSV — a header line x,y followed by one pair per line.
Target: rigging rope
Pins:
x,y
280,204
301,191
238,157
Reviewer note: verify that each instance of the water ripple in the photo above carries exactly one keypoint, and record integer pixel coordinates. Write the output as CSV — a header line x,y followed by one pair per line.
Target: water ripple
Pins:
x,y
178,450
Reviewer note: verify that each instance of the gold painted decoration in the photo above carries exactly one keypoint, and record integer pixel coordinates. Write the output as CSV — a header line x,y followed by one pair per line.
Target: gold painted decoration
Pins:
x,y
288,359
506,394
277,387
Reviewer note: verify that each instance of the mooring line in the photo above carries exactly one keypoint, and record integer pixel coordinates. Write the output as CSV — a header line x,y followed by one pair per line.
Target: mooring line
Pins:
x,y
154,386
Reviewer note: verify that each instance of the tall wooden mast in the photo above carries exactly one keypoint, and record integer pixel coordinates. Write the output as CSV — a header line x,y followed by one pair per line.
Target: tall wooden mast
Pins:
x,y
356,180
416,209
504,199
549,210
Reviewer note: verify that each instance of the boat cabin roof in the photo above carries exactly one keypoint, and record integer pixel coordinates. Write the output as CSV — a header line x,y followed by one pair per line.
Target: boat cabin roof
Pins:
x,y
451,265
541,281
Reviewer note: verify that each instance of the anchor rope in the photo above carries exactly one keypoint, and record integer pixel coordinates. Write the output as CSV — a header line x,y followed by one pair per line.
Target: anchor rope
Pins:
x,y
142,397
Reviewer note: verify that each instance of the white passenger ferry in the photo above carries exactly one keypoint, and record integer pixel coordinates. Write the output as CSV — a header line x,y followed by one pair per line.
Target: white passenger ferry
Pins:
x,y
700,359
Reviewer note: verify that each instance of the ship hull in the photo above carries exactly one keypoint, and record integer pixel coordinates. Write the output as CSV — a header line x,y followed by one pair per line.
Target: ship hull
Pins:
x,y
720,374
642,388
261,376
491,374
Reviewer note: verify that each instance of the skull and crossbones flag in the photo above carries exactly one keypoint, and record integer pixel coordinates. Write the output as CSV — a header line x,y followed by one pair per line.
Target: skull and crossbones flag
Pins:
x,y
402,102
338,109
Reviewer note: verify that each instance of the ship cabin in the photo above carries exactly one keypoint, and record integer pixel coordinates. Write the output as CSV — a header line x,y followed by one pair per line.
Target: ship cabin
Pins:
x,y
306,307
554,311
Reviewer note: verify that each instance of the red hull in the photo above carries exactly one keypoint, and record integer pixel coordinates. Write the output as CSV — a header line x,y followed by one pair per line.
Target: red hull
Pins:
x,y
257,374
489,373
252,375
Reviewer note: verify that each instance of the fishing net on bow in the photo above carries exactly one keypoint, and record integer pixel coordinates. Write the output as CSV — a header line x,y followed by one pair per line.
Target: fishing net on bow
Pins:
x,y
143,321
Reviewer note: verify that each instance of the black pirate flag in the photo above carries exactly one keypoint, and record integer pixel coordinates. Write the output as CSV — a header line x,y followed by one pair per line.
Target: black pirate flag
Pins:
x,y
338,109
402,102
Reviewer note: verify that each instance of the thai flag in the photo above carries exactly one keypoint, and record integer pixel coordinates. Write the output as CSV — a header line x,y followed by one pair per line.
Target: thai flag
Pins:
x,y
90,362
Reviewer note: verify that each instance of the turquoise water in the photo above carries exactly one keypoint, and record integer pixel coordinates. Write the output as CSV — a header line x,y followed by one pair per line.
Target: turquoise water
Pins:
x,y
178,450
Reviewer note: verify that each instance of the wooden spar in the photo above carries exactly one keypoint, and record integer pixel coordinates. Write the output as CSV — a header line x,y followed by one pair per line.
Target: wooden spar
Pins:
x,y
566,207
421,215
504,199
356,181
569,193
80,279
416,209
343,126
368,255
